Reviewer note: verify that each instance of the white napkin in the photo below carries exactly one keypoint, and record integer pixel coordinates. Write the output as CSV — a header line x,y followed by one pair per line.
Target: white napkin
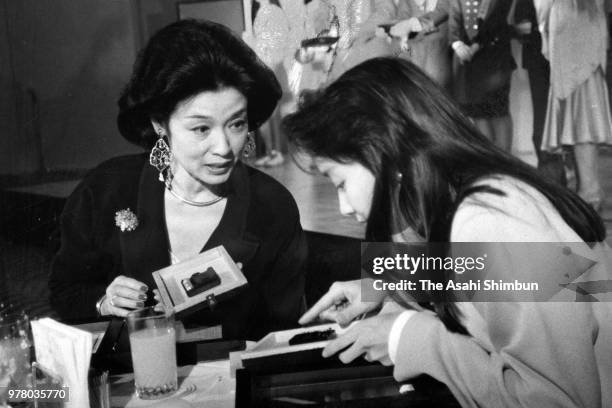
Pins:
x,y
64,351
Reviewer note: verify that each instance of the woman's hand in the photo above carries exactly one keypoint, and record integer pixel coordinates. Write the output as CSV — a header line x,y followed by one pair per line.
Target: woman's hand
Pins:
x,y
123,295
474,48
462,51
343,302
368,337
159,306
523,28
405,27
380,33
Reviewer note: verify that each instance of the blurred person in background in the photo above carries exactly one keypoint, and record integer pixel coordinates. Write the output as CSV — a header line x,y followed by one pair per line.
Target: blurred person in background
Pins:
x,y
423,30
575,41
480,35
538,69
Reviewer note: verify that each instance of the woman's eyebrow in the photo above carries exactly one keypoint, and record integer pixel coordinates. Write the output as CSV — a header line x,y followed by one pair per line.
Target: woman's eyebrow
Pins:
x,y
198,116
239,112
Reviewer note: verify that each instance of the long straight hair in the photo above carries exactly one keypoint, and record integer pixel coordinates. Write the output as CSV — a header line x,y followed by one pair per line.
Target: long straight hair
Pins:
x,y
387,115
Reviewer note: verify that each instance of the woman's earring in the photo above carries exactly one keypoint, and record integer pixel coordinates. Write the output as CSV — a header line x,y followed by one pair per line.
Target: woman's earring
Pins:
x,y
249,146
160,155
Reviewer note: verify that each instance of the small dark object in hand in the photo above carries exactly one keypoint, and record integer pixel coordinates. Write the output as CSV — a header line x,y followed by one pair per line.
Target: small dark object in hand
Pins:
x,y
201,281
312,337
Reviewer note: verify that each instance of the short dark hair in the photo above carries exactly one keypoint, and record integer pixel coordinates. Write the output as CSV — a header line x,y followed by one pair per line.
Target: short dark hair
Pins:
x,y
184,59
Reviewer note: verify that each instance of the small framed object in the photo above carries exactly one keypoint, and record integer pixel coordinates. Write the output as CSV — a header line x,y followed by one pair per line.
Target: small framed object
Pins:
x,y
295,347
286,369
199,282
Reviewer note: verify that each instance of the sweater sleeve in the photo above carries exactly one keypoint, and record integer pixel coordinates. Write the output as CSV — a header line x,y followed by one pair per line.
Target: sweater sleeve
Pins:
x,y
383,12
284,290
438,15
537,354
79,269
456,31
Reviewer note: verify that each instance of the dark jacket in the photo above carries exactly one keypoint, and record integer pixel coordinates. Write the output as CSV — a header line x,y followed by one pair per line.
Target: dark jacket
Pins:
x,y
532,43
485,80
260,228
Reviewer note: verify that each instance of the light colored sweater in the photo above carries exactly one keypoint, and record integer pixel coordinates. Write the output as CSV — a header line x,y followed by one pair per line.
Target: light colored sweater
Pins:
x,y
540,354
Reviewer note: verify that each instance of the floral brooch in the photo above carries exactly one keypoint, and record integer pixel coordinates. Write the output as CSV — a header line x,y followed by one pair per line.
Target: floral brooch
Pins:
x,y
126,220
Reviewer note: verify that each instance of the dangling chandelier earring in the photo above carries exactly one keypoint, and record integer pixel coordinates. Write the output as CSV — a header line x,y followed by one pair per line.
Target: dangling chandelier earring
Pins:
x,y
160,155
249,146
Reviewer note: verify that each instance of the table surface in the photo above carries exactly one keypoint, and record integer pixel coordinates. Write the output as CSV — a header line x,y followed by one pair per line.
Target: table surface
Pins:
x,y
206,384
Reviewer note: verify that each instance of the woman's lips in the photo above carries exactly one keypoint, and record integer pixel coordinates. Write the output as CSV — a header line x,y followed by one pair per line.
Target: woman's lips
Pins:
x,y
219,168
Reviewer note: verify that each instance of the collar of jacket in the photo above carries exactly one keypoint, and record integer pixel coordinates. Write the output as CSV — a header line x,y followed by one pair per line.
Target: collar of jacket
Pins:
x,y
146,249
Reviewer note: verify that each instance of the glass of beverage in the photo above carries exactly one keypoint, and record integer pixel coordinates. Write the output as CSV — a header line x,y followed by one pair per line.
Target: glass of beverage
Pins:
x,y
15,357
153,344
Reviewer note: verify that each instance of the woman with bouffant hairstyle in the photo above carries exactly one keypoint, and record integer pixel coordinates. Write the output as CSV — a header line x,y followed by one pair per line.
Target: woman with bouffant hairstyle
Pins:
x,y
196,93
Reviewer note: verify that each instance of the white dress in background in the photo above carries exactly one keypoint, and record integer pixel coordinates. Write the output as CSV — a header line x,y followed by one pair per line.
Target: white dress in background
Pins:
x,y
576,44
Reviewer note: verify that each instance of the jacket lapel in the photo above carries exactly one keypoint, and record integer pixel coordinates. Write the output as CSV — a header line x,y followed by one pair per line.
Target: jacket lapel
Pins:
x,y
145,249
232,229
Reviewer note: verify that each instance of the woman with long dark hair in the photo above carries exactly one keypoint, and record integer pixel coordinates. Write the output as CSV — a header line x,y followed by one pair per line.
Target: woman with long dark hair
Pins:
x,y
406,161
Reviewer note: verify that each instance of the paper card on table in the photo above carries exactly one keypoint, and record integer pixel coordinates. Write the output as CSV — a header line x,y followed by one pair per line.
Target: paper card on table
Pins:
x,y
66,352
97,330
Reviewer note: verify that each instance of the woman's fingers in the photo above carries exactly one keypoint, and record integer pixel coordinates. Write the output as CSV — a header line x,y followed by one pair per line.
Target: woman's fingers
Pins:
x,y
344,314
111,307
124,303
328,300
120,312
127,288
130,283
159,305
123,295
330,314
129,293
464,54
340,343
353,352
398,30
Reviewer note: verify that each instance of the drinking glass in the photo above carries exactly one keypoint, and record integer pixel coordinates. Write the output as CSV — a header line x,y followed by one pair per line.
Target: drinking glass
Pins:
x,y
153,344
15,357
